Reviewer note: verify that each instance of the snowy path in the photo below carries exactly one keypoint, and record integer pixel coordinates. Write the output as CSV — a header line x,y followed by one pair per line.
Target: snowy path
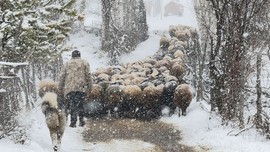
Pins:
x,y
134,135
72,139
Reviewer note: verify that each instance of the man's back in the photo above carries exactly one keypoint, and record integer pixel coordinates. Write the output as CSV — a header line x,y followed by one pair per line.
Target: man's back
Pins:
x,y
76,75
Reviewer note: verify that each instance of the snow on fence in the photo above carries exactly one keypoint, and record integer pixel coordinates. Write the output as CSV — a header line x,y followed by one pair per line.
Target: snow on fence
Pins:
x,y
11,86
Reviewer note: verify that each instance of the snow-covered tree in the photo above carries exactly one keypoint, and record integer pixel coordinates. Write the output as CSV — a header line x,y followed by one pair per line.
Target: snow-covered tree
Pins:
x,y
228,50
34,30
124,26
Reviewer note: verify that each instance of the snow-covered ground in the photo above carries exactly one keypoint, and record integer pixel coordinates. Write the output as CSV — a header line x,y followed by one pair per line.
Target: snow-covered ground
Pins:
x,y
204,131
200,128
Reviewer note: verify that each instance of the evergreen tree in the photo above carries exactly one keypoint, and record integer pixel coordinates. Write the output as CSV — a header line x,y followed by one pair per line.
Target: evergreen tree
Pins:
x,y
34,29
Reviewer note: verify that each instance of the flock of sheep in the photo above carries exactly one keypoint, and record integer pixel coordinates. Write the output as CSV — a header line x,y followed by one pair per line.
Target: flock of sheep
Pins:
x,y
141,89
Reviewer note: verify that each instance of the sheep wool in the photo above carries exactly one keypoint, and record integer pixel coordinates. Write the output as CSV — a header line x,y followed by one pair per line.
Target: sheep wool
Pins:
x,y
96,92
182,97
47,86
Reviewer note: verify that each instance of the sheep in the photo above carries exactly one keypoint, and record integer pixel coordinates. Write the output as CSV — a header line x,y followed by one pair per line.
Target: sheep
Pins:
x,y
150,103
145,84
180,45
167,57
127,81
168,77
138,80
102,83
131,97
113,97
117,82
167,98
166,72
178,71
137,67
182,98
158,80
147,65
96,93
103,77
180,27
94,107
162,69
127,76
103,71
147,71
164,42
116,77
115,70
171,49
163,62
173,41
131,92
183,35
172,30
154,73
150,60
179,54
149,96
177,60
182,32
138,74
47,86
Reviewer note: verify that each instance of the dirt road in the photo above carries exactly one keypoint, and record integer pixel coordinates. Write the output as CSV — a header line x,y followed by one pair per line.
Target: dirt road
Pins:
x,y
163,136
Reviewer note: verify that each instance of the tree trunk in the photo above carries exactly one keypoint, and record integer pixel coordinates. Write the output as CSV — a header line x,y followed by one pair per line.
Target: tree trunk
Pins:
x,y
106,19
258,116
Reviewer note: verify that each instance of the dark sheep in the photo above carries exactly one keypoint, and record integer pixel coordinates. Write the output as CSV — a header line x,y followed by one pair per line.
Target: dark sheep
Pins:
x,y
94,107
167,98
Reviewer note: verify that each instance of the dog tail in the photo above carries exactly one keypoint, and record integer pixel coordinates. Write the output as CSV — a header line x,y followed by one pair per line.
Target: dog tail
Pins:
x,y
50,100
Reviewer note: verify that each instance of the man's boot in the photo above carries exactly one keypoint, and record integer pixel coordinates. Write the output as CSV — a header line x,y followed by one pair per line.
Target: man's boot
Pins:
x,y
72,124
82,123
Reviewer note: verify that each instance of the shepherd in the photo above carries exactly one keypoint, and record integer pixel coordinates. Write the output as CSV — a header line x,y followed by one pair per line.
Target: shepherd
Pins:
x,y
74,82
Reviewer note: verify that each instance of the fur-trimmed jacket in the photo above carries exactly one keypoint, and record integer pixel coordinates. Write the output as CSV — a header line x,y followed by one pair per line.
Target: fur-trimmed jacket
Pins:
x,y
75,76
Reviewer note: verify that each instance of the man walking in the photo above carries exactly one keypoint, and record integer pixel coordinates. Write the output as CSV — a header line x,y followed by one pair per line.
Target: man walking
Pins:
x,y
74,82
